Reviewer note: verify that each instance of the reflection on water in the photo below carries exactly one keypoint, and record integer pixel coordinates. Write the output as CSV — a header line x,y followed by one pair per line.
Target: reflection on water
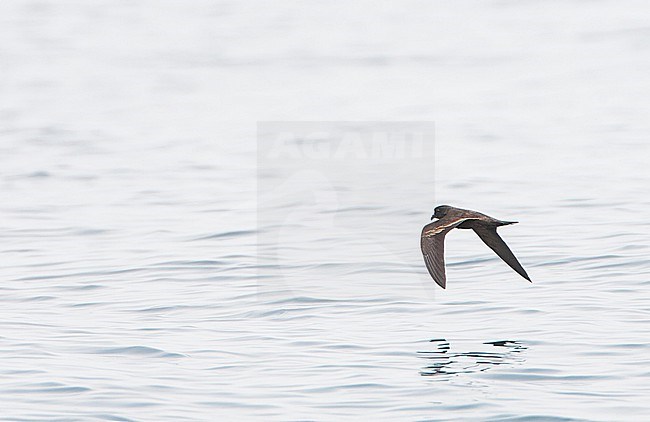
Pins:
x,y
443,361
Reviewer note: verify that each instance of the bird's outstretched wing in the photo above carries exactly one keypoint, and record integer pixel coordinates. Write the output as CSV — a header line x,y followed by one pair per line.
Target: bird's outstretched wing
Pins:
x,y
432,243
490,237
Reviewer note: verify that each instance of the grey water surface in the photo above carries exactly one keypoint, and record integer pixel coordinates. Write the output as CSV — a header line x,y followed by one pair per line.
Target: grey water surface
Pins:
x,y
144,277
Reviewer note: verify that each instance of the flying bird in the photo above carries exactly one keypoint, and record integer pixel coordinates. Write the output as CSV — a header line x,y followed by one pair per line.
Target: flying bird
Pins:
x,y
432,240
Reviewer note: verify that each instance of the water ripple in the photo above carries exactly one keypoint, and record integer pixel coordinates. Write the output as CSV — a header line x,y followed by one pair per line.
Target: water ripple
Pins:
x,y
137,351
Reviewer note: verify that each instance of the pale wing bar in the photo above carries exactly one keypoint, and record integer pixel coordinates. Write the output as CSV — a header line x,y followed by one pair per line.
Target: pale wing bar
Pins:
x,y
432,243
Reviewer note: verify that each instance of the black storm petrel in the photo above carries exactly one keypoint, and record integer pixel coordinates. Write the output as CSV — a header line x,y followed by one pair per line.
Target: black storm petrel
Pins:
x,y
432,240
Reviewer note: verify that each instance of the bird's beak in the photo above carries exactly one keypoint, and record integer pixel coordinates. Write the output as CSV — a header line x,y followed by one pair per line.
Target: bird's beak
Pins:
x,y
433,216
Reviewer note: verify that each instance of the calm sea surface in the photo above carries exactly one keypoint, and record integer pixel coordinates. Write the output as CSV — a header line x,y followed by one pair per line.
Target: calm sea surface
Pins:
x,y
144,277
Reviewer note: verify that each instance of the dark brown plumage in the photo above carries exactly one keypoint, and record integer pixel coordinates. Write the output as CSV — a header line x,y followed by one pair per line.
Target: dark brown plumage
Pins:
x,y
432,240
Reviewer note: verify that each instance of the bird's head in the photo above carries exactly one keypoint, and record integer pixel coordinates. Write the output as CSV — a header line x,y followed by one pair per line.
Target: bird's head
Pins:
x,y
440,211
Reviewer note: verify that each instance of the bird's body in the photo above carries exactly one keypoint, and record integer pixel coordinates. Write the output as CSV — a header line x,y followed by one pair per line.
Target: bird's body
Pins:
x,y
433,238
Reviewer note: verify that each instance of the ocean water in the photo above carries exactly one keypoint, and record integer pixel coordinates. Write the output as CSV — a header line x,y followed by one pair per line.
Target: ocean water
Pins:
x,y
156,265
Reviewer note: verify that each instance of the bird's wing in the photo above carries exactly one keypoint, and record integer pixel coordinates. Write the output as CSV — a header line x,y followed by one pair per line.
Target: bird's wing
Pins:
x,y
432,243
490,237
